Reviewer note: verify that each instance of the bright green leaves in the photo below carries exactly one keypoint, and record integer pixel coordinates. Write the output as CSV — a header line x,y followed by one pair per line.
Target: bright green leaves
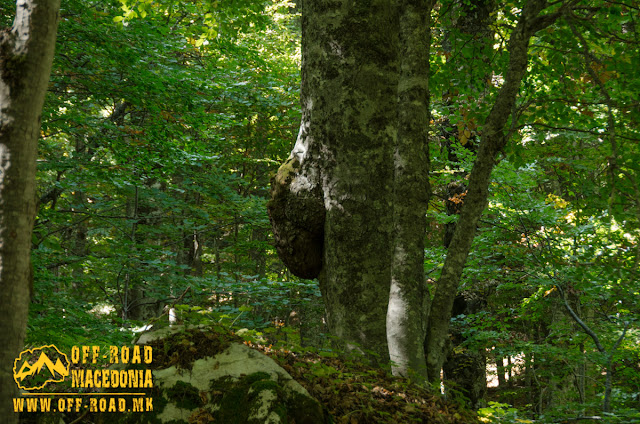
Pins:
x,y
156,154
138,9
195,20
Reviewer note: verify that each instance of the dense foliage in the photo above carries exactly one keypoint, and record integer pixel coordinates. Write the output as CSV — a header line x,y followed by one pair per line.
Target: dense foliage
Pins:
x,y
165,120
551,290
157,145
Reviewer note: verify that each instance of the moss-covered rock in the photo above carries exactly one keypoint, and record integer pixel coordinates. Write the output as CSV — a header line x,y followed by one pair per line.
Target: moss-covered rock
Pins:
x,y
236,385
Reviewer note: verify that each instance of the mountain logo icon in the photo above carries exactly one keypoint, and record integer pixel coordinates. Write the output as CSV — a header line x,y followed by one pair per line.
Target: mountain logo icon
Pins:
x,y
36,367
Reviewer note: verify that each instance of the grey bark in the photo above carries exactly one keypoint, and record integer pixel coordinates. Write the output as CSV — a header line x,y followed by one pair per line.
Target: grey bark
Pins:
x,y
409,297
494,139
26,53
352,73
296,212
332,207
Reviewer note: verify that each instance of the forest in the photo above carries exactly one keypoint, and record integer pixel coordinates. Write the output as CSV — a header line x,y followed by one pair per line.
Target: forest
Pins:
x,y
412,199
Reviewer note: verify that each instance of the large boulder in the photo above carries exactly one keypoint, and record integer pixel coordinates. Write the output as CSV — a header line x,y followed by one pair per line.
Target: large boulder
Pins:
x,y
205,376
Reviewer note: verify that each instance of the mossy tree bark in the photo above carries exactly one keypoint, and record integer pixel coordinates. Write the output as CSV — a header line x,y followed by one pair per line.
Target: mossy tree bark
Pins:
x,y
332,206
26,53
355,75
332,203
409,297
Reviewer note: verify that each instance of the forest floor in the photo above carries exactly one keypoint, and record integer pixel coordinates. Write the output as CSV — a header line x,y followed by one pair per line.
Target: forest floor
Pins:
x,y
353,393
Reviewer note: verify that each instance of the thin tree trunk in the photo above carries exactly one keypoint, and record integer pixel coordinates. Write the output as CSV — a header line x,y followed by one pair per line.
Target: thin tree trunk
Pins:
x,y
502,382
79,233
409,296
257,253
464,369
528,377
510,370
494,139
608,355
26,53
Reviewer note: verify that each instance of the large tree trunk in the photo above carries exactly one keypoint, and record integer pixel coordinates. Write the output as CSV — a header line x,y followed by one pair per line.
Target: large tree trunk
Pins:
x,y
26,53
494,138
331,205
358,173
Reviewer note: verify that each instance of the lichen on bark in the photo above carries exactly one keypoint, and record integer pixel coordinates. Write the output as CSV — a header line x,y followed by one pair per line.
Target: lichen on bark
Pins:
x,y
330,208
26,53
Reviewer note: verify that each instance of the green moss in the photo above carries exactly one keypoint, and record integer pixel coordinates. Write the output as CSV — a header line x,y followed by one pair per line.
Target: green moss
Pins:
x,y
185,396
302,409
226,393
149,417
182,349
257,376
237,398
221,384
287,171
261,385
298,221
159,401
12,66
